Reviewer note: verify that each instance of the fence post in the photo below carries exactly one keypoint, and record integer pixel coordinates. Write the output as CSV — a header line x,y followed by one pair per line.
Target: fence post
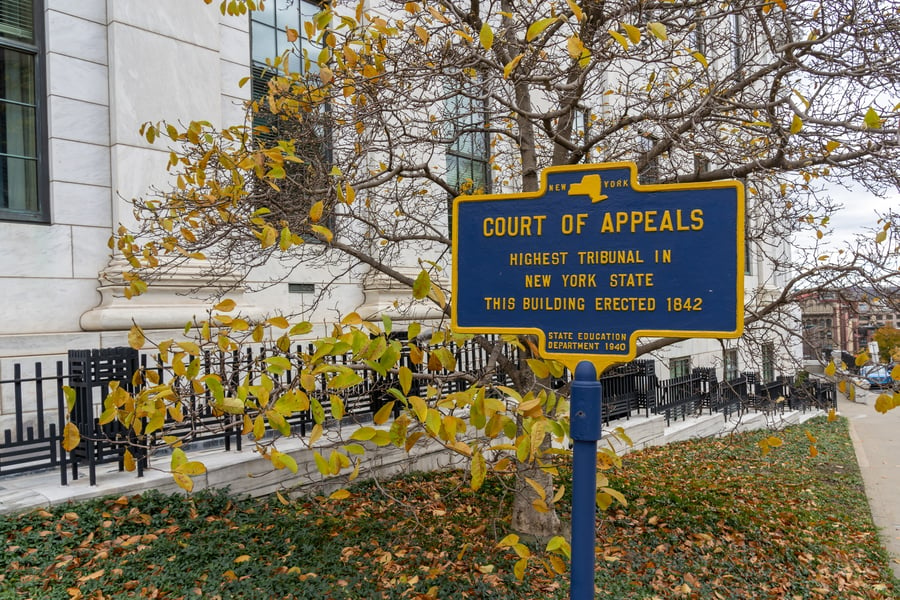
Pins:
x,y
89,369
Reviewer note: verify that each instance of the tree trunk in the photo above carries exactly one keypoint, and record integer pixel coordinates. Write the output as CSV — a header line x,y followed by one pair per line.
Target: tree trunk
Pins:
x,y
526,520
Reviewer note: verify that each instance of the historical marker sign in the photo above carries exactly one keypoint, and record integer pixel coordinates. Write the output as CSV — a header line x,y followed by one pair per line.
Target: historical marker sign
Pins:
x,y
594,260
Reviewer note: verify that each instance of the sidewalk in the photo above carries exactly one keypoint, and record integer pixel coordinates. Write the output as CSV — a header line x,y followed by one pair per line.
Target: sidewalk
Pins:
x,y
876,439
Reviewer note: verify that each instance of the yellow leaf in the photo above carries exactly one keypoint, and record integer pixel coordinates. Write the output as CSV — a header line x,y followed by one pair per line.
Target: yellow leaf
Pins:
x,y
619,38
383,414
422,285
352,319
895,372
576,10
575,47
280,460
813,452
463,35
326,75
559,565
278,422
658,29
192,468
511,65
315,434
315,212
322,464
183,481
634,34
536,28
71,437
872,120
830,369
259,427
832,145
538,488
242,558
478,469
128,461
404,375
537,437
337,407
519,568
189,347
279,322
422,33
539,367
420,408
323,232
437,294
340,494
364,434
862,358
832,416
226,305
136,337
796,124
880,236
509,541
701,59
884,403
268,236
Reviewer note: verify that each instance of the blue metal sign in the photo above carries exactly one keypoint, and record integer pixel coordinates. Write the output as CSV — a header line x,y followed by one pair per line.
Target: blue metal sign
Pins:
x,y
594,260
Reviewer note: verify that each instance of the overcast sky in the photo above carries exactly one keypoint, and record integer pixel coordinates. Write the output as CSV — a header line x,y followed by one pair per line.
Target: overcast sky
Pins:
x,y
859,211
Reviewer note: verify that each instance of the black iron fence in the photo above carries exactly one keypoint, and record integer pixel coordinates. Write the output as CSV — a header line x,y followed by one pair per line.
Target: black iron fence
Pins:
x,y
34,441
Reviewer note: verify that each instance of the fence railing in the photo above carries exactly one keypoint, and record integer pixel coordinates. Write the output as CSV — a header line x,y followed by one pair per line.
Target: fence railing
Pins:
x,y
34,441
35,444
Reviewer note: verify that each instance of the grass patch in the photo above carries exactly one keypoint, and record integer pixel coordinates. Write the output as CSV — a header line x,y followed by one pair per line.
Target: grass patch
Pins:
x,y
706,519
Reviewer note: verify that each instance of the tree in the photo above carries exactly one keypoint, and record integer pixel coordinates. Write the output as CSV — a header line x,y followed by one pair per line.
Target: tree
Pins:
x,y
422,101
888,339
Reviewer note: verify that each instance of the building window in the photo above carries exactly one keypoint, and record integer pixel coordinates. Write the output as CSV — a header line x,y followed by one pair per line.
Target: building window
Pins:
x,y
23,143
268,31
468,154
650,173
311,136
699,33
748,253
737,25
679,367
768,362
701,164
730,368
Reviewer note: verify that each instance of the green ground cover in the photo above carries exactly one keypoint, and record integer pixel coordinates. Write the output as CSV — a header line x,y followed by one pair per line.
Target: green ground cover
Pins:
x,y
705,519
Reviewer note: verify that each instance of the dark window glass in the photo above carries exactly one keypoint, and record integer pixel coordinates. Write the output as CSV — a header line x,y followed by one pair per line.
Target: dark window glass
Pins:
x,y
21,124
468,158
311,138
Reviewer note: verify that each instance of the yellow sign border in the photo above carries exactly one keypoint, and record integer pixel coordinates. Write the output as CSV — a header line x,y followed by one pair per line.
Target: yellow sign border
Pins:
x,y
601,361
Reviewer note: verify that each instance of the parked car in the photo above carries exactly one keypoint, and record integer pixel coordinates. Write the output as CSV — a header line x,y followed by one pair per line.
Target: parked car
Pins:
x,y
878,376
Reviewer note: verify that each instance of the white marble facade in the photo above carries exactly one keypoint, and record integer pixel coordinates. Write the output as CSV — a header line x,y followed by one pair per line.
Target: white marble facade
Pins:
x,y
110,66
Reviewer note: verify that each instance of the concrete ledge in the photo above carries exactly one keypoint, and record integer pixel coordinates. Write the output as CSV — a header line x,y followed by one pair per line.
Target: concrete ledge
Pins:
x,y
249,473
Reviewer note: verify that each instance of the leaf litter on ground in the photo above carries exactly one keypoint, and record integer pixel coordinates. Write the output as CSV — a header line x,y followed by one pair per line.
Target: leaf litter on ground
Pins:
x,y
710,518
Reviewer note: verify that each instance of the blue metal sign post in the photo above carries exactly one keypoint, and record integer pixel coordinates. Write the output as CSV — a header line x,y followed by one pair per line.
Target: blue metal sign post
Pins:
x,y
588,264
585,423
